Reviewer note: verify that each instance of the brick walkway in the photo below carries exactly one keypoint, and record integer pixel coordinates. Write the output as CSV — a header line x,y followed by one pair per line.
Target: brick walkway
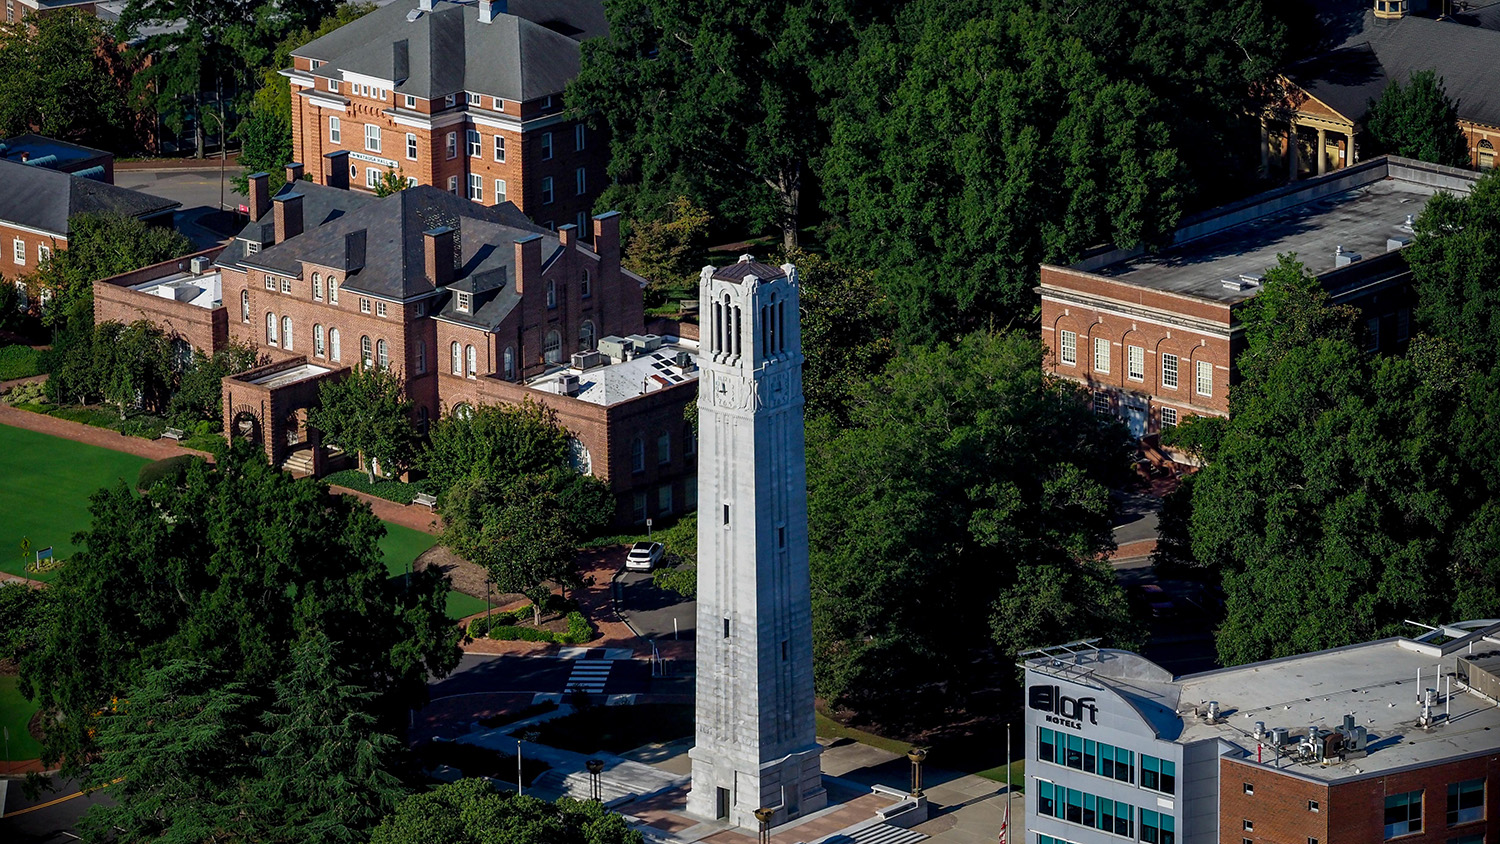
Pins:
x,y
598,568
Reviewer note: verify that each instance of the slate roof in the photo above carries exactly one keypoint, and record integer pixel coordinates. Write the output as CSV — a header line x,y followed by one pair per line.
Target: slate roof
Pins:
x,y
391,229
44,199
448,51
748,267
1463,55
320,204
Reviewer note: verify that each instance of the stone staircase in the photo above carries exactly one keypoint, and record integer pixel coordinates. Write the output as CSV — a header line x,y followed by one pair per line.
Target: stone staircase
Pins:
x,y
299,462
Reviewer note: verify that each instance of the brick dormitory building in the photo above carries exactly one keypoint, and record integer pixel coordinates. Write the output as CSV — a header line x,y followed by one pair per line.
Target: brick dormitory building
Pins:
x,y
1392,740
471,304
1154,334
464,96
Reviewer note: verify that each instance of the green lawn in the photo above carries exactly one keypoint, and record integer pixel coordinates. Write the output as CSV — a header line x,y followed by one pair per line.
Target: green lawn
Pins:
x,y
402,545
46,488
15,713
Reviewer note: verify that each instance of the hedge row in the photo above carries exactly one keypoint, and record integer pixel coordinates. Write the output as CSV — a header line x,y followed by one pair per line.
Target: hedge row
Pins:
x,y
503,626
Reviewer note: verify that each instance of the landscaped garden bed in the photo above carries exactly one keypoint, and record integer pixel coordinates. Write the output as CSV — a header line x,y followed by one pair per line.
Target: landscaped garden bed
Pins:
x,y
562,623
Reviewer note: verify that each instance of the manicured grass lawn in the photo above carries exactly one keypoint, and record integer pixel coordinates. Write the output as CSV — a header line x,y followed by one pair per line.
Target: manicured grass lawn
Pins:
x,y
15,713
402,545
45,484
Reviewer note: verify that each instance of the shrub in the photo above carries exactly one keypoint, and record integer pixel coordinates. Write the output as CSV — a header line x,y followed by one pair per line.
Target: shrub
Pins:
x,y
29,394
171,469
146,427
512,633
480,627
19,362
579,629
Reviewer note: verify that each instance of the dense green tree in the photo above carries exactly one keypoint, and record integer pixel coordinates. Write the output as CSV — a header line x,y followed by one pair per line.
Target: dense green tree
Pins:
x,y
470,812
1418,121
199,395
1455,259
232,568
666,251
501,440
20,605
129,366
964,505
847,330
100,246
265,147
368,413
61,75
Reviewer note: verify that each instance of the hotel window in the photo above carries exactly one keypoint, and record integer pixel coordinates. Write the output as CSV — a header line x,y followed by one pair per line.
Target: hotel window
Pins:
x,y
510,364
382,354
476,187
1403,814
582,177
476,146
1101,355
453,185
380,309
244,306
411,147
552,349
499,147
458,358
286,285
317,286
364,305
546,146
471,361
411,102
1204,380
1066,804
461,301
452,144
1135,363
1158,774
578,140
586,287
372,137
547,191
1465,802
1169,371
1158,828
271,330
18,251
1081,754
334,351
499,191
551,293
333,290
318,344
1169,420
1067,351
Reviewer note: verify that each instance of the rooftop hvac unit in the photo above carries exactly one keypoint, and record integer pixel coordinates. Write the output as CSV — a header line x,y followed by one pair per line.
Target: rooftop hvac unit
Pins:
x,y
646,342
567,384
684,361
619,349
587,360
200,265
1280,737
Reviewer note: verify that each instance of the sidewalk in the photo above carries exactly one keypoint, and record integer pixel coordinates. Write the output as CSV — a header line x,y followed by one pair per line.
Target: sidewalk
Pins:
x,y
597,567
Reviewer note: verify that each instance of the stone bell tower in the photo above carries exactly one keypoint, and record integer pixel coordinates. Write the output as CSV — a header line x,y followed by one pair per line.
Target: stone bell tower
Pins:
x,y
755,740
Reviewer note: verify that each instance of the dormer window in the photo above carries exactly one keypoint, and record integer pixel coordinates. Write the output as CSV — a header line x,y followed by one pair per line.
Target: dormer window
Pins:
x,y
450,101
473,99
333,85
251,247
461,301
317,63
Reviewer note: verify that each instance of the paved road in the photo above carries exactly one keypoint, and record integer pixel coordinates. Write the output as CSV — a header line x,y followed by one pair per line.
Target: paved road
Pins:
x,y
49,818
481,674
197,190
656,613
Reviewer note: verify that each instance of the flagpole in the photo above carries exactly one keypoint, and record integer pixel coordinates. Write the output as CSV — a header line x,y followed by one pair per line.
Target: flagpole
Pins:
x,y
1005,824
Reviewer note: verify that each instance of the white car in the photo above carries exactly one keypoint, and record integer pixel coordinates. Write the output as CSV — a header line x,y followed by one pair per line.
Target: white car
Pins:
x,y
644,556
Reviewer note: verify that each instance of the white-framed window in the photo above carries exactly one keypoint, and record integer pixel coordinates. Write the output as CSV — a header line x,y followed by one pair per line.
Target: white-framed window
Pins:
x,y
335,131
476,187
411,147
411,102
586,336
461,301
551,293
1101,355
366,351
499,147
546,146
578,139
1203,377
476,144
244,306
499,191
1067,347
546,190
286,285
251,247
453,185
552,349
471,362
317,286
364,305
1169,417
319,349
411,181
372,177
586,286
382,355
1169,371
271,336
382,94
43,252
380,309
271,282
333,290
1135,363
372,137
471,98
334,352
286,333
18,252
452,144
510,364
333,86
457,353
1101,403
450,100
421,362
581,175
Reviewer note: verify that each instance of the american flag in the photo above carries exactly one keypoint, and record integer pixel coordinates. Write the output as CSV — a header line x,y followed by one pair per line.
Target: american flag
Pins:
x,y
1005,824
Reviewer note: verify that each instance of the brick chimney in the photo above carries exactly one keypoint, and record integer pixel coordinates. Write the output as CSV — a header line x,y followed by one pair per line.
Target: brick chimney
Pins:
x,y
568,235
260,195
288,216
607,239
438,255
336,169
294,172
528,261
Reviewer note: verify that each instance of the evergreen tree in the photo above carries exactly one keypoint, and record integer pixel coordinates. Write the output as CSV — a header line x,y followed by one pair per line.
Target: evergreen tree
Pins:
x,y
1418,121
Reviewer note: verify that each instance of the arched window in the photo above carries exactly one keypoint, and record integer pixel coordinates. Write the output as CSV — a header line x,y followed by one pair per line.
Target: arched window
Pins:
x,y
333,345
717,344
553,347
739,328
637,455
382,354
663,449
510,364
551,294
317,286
781,325
471,362
463,411
271,329
333,290
286,333
586,336
585,287
458,359
318,348
244,306
1484,143
421,357
366,355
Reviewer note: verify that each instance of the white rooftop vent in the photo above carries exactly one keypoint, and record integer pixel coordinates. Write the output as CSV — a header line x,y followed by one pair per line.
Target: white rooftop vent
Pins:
x,y
746,258
1342,258
1253,279
411,17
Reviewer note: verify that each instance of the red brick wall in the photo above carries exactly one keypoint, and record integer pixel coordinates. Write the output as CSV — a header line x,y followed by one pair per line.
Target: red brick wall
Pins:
x,y
9,269
1359,807
205,329
1278,808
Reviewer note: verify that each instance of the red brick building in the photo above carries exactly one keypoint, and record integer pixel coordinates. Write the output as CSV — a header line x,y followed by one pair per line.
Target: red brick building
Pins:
x,y
466,97
472,304
1154,334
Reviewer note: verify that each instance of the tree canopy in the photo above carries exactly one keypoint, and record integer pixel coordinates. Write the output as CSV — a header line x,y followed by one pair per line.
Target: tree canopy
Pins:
x,y
369,413
471,812
100,246
62,75
1455,259
1419,121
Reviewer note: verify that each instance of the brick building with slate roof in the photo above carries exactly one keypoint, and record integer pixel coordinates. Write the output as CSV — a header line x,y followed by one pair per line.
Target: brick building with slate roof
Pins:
x,y
1330,94
464,96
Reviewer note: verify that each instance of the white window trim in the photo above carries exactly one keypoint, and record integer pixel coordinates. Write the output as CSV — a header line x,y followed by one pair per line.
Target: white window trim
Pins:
x,y
411,146
500,187
1199,367
335,130
1101,344
1066,356
546,143
1130,371
1176,370
372,138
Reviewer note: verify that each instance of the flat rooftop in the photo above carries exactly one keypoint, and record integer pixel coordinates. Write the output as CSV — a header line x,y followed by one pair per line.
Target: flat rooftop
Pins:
x,y
1358,208
202,290
301,372
647,372
41,146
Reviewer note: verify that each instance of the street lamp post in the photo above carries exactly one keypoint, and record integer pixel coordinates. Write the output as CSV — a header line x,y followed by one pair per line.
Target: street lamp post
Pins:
x,y
916,755
520,789
764,816
223,149
595,768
